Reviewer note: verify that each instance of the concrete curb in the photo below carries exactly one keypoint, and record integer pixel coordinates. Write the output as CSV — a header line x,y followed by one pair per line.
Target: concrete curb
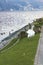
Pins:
x,y
38,49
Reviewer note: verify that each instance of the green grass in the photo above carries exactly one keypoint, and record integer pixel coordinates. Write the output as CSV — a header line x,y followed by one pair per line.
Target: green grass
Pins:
x,y
22,53
10,44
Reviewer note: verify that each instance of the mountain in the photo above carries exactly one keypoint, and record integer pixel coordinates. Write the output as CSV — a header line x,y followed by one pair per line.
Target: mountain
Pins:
x,y
20,5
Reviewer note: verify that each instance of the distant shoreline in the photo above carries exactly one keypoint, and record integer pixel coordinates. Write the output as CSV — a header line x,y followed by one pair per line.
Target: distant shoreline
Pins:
x,y
23,11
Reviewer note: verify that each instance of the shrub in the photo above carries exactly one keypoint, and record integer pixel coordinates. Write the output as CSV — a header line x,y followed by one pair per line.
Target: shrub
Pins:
x,y
37,25
22,34
39,22
37,29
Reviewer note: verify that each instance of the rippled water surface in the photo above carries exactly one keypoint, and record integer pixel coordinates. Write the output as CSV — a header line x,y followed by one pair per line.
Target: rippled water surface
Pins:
x,y
12,21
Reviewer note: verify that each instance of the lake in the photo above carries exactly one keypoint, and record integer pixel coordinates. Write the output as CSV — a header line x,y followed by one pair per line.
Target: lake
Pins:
x,y
13,21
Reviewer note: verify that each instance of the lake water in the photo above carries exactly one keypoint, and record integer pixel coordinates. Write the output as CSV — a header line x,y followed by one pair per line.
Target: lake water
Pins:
x,y
13,21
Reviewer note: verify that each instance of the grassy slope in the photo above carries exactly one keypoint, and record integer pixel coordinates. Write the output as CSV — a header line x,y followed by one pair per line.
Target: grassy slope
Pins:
x,y
21,54
9,45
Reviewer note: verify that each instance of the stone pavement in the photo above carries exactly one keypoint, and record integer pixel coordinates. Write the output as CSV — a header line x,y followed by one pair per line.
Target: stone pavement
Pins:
x,y
39,54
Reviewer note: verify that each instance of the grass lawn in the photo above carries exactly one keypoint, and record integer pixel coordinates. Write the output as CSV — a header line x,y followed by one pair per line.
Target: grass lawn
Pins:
x,y
22,53
9,45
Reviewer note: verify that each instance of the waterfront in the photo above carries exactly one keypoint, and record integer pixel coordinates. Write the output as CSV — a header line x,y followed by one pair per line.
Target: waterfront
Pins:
x,y
13,21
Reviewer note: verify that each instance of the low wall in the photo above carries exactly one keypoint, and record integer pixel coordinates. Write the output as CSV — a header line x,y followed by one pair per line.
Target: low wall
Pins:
x,y
5,41
15,34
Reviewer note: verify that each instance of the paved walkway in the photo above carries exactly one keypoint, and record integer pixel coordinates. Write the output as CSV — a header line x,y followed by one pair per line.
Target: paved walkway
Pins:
x,y
39,55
